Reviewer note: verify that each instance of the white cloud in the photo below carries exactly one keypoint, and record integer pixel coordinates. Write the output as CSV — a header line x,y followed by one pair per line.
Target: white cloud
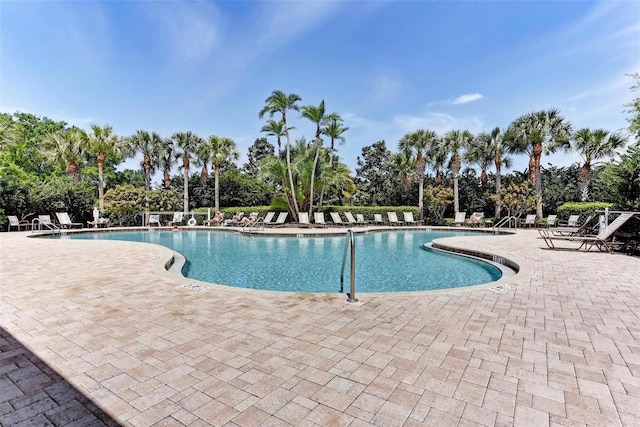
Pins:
x,y
384,87
465,99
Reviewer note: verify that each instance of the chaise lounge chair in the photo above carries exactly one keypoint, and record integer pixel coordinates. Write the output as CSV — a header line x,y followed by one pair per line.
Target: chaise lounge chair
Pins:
x,y
550,221
360,219
377,219
529,221
318,219
571,222
604,240
43,221
337,220
393,219
353,221
282,217
19,225
154,219
177,219
459,219
65,221
408,218
303,220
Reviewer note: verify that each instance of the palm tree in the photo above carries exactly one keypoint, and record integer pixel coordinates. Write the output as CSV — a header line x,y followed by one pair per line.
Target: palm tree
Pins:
x,y
222,149
145,143
480,153
453,143
275,128
318,116
67,146
333,129
540,131
166,152
437,159
279,102
499,145
188,143
419,144
593,145
403,164
103,143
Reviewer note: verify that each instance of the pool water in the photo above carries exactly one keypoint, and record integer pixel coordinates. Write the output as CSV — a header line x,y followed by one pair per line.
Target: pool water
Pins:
x,y
390,261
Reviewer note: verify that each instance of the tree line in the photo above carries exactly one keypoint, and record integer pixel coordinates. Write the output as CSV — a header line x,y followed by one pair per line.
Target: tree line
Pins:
x,y
47,165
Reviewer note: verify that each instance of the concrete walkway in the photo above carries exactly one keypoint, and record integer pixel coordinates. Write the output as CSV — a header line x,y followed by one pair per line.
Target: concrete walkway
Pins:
x,y
101,327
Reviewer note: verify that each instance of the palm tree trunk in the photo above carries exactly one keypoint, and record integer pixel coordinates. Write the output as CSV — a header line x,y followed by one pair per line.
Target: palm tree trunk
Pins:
x,y
498,186
185,200
483,180
456,203
73,170
216,174
584,178
167,179
147,172
421,197
313,176
101,160
294,208
537,154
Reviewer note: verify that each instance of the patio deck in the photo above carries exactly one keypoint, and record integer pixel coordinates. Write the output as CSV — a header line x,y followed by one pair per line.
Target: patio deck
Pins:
x,y
97,332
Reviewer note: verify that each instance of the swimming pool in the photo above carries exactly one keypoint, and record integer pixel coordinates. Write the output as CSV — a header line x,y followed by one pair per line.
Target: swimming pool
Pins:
x,y
390,261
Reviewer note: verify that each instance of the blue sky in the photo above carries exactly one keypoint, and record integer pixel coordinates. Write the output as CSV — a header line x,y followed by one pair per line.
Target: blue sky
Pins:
x,y
386,67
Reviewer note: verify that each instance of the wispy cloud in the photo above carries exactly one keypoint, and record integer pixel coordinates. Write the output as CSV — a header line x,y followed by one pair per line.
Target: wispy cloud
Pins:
x,y
384,87
467,98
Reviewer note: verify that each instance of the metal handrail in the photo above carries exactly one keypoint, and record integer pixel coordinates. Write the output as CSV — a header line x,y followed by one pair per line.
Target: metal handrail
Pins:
x,y
506,220
350,242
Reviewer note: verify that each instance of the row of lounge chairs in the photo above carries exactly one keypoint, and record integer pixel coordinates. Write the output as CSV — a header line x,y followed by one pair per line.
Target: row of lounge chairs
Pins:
x,y
608,237
45,222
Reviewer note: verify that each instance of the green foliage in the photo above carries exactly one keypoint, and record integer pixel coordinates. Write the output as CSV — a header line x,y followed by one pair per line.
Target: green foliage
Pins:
x,y
436,201
517,199
123,204
619,182
634,108
372,175
62,194
560,185
581,208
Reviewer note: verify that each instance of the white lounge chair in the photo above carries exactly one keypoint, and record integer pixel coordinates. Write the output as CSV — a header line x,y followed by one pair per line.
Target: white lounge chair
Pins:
x,y
19,225
303,219
318,219
377,219
550,221
337,220
282,217
154,219
268,218
408,218
65,221
476,219
393,219
605,238
177,219
459,218
43,221
361,220
529,221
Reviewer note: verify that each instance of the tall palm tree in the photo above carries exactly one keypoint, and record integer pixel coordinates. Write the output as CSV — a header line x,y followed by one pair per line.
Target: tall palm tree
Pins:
x,y
67,146
145,143
499,146
540,131
279,102
454,142
403,164
319,117
333,129
419,144
103,143
594,145
188,143
166,152
222,149
437,159
479,153
275,128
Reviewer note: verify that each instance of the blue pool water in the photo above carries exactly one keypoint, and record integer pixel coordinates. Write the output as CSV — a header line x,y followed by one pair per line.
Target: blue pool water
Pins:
x,y
390,261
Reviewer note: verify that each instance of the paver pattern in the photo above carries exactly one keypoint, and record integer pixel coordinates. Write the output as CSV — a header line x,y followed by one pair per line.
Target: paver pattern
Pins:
x,y
557,344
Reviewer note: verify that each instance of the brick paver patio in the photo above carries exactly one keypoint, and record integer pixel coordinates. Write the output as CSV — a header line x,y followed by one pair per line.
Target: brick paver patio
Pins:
x,y
98,332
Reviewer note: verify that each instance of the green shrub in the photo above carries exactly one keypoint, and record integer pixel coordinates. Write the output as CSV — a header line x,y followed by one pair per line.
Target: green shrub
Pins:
x,y
581,208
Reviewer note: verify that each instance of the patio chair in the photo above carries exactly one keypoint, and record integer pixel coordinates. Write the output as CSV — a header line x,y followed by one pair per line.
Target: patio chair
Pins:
x,y
282,217
571,222
360,219
65,221
408,218
177,219
337,220
604,239
318,219
235,220
459,219
584,229
15,222
250,220
43,221
550,221
303,219
154,219
268,218
476,219
377,219
99,222
393,218
216,220
529,221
